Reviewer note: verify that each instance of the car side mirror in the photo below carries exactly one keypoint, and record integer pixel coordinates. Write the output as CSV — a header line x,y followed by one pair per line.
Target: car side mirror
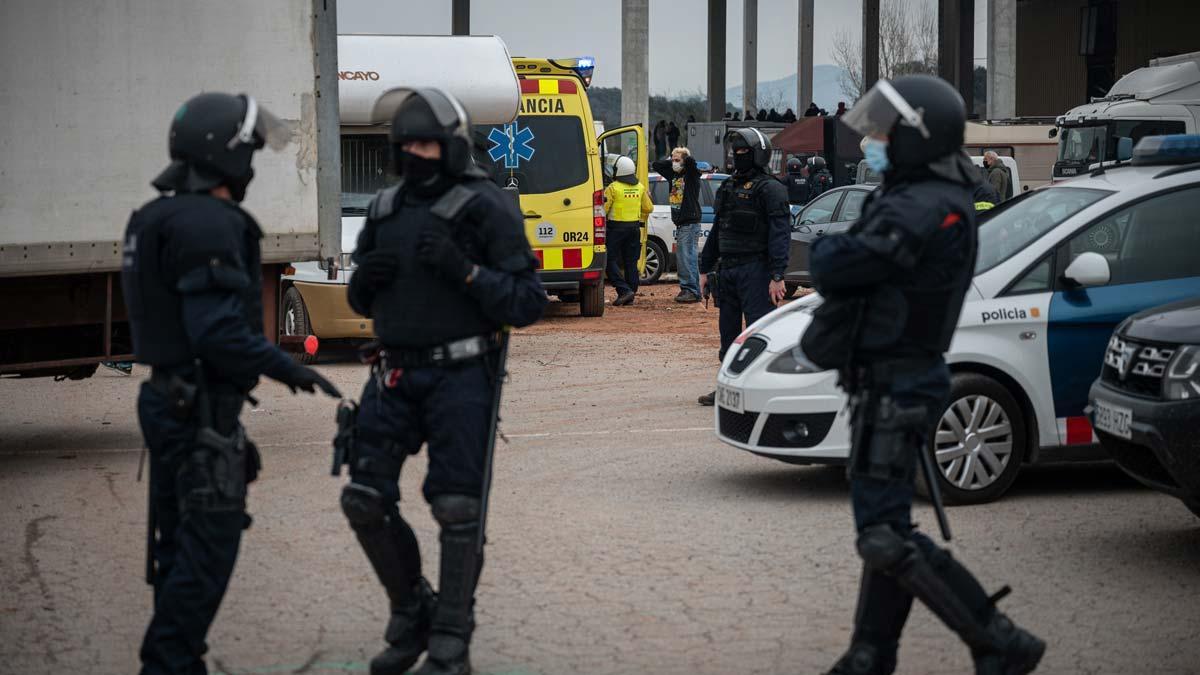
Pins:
x,y
1053,133
1124,149
807,221
1089,269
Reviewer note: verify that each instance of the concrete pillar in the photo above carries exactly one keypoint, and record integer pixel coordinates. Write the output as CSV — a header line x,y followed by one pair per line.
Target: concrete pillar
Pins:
x,y
1002,59
804,57
870,44
716,60
749,54
956,46
460,17
635,63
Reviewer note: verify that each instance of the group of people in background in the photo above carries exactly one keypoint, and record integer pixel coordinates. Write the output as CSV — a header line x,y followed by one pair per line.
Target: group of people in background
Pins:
x,y
665,137
786,117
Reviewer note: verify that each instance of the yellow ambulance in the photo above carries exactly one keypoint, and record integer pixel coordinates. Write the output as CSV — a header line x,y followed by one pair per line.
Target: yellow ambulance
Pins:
x,y
551,156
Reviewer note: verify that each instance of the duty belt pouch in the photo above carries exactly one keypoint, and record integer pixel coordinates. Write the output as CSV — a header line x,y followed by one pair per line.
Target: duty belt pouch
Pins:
x,y
895,435
844,325
222,464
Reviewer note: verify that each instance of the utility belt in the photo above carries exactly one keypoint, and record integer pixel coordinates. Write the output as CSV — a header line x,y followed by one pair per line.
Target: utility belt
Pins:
x,y
382,358
625,224
739,259
885,434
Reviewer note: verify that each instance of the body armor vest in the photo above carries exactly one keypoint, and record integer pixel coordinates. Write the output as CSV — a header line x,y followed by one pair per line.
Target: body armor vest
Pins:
x,y
742,221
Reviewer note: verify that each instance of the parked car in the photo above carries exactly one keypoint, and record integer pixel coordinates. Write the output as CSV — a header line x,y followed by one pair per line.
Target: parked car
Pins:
x,y
660,247
1058,269
1145,406
831,213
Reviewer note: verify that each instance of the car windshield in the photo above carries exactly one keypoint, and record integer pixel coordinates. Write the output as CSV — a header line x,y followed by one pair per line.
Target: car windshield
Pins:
x,y
1082,143
1019,223
537,153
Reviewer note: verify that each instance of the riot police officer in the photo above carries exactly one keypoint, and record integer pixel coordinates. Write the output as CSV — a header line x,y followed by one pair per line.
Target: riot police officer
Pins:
x,y
192,280
443,266
893,288
820,180
749,241
797,182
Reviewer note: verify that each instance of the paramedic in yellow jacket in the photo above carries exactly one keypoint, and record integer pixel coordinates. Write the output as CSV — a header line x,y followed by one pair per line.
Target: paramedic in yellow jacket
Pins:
x,y
627,206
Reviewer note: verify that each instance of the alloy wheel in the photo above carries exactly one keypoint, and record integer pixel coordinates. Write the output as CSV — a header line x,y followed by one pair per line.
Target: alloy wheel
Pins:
x,y
974,442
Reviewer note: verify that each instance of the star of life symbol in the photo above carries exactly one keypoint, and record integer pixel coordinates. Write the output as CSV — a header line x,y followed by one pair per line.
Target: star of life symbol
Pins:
x,y
511,144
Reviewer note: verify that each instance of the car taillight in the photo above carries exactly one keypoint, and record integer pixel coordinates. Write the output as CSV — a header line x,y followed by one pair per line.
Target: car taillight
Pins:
x,y
599,225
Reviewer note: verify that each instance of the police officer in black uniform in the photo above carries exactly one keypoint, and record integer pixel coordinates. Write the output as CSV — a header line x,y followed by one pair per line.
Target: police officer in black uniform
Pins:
x,y
443,266
750,238
797,182
893,288
820,180
192,281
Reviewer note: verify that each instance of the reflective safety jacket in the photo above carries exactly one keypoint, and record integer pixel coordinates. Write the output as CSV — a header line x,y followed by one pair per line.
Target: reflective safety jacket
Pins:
x,y
625,203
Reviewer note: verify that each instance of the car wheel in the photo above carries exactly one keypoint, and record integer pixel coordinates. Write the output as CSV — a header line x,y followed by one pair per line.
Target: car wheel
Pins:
x,y
790,290
591,299
656,262
979,441
294,321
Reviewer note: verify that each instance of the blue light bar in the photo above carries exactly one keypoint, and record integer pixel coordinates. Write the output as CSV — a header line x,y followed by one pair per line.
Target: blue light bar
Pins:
x,y
1173,149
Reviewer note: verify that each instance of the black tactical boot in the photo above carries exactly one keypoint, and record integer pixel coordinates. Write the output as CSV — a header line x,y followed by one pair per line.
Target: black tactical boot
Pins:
x,y
863,658
1018,651
407,631
454,620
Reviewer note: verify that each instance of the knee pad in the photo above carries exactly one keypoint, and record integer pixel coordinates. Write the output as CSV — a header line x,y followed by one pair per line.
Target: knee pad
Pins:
x,y
455,510
882,547
365,507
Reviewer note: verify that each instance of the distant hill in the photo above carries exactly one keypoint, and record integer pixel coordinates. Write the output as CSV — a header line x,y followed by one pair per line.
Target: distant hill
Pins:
x,y
827,90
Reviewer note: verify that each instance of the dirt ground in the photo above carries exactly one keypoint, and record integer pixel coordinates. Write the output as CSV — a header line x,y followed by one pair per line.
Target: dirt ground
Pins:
x,y
654,311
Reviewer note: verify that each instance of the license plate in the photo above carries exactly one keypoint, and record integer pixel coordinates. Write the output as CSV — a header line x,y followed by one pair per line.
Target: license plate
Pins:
x,y
730,399
1113,419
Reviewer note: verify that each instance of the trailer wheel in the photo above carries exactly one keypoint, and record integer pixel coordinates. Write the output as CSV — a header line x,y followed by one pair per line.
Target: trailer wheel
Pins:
x,y
293,318
591,299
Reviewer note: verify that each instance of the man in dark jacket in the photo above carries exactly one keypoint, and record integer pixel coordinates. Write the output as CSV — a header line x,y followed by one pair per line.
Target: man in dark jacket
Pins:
x,y
672,136
812,110
797,182
683,176
819,178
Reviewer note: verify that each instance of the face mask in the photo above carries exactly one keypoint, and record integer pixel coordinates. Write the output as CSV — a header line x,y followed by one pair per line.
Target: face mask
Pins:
x,y
743,162
237,186
418,169
677,166
875,152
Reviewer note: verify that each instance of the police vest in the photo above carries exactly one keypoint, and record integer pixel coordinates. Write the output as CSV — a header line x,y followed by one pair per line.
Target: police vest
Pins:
x,y
194,239
741,220
627,202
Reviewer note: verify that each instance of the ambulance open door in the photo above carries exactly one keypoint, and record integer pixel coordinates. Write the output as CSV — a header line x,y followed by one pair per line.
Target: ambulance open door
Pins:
x,y
629,141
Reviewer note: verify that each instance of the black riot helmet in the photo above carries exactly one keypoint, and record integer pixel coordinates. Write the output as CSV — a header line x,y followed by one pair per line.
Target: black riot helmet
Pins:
x,y
794,165
923,117
816,163
759,145
212,140
433,115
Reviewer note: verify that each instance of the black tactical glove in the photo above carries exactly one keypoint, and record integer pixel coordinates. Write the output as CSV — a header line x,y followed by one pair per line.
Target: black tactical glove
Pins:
x,y
441,254
309,380
378,268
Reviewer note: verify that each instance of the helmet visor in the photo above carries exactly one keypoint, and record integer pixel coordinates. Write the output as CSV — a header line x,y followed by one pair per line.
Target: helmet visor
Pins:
x,y
259,127
880,109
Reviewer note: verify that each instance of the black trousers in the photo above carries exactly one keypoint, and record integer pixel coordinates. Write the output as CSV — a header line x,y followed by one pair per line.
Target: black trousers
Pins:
x,y
744,294
624,249
197,541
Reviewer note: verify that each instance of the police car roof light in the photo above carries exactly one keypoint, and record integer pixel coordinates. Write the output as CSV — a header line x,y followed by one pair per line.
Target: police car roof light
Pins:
x,y
1162,150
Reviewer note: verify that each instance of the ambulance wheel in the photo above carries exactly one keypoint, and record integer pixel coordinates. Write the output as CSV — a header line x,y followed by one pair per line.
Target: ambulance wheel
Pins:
x,y
656,261
293,319
591,299
979,441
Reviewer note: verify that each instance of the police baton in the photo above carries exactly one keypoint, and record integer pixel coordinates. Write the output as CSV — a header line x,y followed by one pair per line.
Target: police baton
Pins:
x,y
493,431
935,493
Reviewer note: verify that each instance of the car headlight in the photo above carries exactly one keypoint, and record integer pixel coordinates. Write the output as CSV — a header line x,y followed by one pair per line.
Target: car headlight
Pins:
x,y
1183,375
791,362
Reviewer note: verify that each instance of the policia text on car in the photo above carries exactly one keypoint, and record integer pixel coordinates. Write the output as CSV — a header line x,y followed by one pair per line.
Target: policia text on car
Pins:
x,y
192,284
893,287
443,267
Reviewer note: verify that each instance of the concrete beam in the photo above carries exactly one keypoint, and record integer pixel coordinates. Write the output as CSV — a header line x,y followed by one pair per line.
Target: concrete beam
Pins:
x,y
1002,59
460,17
870,44
635,63
749,54
804,57
956,46
716,60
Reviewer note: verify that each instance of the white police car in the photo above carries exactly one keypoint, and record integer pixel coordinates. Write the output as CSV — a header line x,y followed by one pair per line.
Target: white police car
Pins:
x,y
1058,268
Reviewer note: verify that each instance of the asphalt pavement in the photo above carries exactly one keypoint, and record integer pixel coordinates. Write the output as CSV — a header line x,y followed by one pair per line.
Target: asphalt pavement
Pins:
x,y
624,538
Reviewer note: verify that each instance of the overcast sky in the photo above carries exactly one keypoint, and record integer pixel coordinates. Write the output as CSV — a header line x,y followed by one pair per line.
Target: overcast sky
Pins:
x,y
678,31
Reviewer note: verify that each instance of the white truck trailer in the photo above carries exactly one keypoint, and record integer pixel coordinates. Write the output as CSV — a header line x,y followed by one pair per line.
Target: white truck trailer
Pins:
x,y
1162,98
87,92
